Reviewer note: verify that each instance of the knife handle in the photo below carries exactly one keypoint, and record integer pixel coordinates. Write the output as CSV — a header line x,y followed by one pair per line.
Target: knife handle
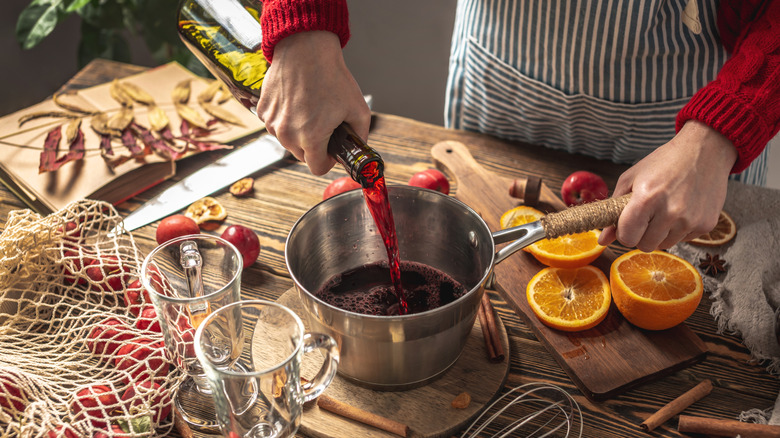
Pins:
x,y
360,161
585,217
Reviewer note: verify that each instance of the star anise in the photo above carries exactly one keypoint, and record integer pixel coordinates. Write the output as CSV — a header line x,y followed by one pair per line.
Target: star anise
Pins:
x,y
712,265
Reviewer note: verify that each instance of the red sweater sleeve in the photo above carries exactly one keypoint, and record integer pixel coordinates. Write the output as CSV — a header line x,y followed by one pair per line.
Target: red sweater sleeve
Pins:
x,y
282,18
743,102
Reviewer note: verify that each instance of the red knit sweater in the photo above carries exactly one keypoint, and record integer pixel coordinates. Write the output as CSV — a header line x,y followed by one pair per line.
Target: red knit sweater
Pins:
x,y
743,102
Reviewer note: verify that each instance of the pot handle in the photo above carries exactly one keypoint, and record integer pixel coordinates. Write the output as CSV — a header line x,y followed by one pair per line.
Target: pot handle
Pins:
x,y
578,219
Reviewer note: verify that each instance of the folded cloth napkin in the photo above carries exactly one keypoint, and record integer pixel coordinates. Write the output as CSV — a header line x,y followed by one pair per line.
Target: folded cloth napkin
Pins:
x,y
746,297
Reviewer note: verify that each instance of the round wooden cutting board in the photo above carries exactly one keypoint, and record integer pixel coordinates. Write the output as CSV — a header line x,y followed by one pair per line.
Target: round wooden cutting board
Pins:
x,y
426,410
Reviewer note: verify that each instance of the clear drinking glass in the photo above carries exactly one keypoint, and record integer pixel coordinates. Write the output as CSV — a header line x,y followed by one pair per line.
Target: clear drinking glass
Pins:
x,y
252,353
187,278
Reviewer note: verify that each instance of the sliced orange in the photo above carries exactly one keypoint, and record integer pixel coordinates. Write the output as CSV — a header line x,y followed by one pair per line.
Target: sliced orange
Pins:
x,y
520,215
655,290
571,251
569,299
724,231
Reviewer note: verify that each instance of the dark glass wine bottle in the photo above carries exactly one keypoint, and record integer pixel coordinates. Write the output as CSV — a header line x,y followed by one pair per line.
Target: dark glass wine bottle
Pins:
x,y
226,35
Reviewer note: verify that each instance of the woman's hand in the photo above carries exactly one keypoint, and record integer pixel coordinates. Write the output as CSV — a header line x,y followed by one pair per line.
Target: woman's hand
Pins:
x,y
307,92
677,191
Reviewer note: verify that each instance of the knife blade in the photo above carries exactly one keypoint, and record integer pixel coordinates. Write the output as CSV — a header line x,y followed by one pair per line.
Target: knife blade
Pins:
x,y
244,161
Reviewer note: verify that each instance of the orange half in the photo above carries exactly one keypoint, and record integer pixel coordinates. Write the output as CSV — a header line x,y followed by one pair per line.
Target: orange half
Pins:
x,y
655,290
569,299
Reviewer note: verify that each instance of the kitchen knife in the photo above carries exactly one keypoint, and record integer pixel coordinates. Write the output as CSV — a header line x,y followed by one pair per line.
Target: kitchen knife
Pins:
x,y
244,161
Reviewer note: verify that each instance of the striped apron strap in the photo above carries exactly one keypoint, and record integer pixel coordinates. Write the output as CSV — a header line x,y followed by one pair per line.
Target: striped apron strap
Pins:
x,y
601,78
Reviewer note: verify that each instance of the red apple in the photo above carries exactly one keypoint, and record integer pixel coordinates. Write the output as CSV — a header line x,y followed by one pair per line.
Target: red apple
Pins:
x,y
583,186
431,179
160,402
107,337
340,185
96,402
147,319
143,359
12,397
108,274
245,240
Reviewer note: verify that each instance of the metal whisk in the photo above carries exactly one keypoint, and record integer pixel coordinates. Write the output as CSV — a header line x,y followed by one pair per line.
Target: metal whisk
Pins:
x,y
545,409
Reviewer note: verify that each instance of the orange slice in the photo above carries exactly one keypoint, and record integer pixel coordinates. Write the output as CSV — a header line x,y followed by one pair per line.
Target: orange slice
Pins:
x,y
724,231
571,251
655,290
519,216
569,299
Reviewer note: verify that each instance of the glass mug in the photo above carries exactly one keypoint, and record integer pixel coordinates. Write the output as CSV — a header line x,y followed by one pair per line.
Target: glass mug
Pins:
x,y
252,353
187,278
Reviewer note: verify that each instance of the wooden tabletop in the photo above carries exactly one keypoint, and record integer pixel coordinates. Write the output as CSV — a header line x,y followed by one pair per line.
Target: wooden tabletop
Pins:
x,y
286,191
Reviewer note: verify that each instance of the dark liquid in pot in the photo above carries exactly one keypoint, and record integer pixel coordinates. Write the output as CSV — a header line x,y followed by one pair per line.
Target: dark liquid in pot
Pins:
x,y
369,290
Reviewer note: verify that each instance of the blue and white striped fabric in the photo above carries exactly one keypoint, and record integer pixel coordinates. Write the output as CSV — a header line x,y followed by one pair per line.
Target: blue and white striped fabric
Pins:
x,y
602,78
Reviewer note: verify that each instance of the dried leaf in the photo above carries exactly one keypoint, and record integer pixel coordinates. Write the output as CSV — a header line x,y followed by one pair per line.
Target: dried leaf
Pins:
x,y
209,92
82,106
32,116
119,94
99,124
129,141
185,128
158,120
189,114
121,119
50,146
115,162
137,93
157,145
221,113
224,94
76,151
181,93
167,135
71,130
105,146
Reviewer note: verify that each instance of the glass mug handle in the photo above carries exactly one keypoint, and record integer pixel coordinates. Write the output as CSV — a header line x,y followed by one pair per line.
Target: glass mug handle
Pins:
x,y
318,341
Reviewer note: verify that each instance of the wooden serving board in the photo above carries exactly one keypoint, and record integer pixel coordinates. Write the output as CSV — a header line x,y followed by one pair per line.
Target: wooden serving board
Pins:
x,y
603,361
426,410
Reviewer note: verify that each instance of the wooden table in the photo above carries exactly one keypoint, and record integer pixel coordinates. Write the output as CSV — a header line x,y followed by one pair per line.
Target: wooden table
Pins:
x,y
288,190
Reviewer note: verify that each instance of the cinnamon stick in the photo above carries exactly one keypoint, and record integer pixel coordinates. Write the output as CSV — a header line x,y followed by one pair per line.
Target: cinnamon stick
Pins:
x,y
482,315
677,405
718,427
181,426
490,330
365,417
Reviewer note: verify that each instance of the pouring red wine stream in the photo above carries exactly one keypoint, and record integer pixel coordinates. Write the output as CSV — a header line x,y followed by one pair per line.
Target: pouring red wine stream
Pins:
x,y
225,36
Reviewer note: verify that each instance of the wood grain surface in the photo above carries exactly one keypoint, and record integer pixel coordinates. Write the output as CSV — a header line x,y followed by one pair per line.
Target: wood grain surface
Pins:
x,y
284,192
426,410
603,361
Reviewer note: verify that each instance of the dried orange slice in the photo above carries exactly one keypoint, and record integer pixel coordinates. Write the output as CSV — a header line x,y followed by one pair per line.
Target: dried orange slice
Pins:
x,y
724,231
569,299
206,209
655,290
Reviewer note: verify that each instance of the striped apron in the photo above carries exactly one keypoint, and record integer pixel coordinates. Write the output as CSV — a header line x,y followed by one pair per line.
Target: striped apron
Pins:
x,y
601,78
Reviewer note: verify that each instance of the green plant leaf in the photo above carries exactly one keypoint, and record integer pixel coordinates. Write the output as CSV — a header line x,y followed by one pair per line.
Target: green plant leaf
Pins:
x,y
37,21
76,5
